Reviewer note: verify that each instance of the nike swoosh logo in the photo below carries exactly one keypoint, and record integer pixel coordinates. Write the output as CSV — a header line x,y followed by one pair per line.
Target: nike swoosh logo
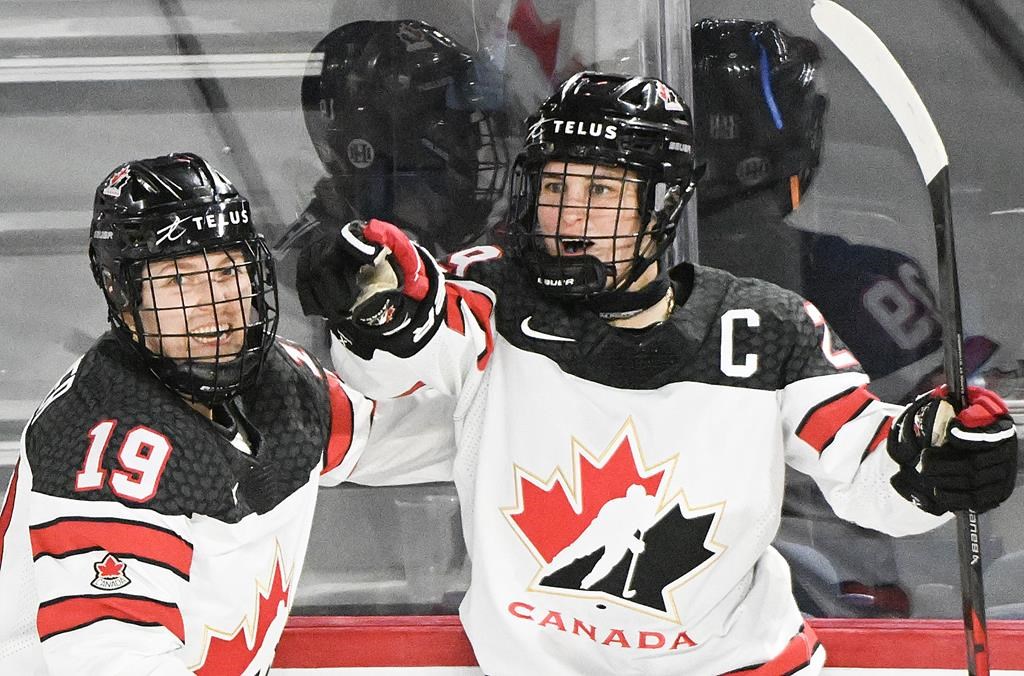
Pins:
x,y
540,335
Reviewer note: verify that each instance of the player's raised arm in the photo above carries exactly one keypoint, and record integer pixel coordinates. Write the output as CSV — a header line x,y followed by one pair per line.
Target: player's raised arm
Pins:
x,y
386,301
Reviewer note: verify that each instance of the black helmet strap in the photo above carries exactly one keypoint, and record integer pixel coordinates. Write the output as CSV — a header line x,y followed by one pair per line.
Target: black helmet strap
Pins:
x,y
624,304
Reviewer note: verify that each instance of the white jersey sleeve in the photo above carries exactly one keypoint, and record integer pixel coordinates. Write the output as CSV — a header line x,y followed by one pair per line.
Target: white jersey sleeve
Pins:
x,y
412,438
836,430
387,442
411,441
351,420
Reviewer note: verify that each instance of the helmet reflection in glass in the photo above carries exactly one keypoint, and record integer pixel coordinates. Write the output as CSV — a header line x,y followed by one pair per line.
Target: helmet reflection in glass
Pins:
x,y
189,284
600,184
411,127
758,114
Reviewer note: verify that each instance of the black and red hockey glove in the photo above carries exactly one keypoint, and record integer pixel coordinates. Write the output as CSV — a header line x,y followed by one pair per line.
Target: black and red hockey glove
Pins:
x,y
951,462
364,274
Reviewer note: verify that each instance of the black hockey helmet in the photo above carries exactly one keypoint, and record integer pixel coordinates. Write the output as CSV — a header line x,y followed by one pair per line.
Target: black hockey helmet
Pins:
x,y
636,125
758,114
164,209
411,129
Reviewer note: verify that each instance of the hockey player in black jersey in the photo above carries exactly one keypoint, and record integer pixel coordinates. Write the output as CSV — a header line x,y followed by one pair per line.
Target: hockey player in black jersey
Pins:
x,y
161,505
622,429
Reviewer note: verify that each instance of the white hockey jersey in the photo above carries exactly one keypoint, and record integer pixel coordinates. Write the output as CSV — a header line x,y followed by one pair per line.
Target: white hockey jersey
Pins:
x,y
137,539
620,488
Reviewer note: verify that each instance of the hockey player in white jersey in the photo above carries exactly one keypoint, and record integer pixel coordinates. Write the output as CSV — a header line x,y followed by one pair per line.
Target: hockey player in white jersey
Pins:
x,y
161,505
582,369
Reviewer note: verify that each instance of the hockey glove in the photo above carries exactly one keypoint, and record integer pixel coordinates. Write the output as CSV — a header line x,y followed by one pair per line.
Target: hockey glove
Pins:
x,y
951,462
362,275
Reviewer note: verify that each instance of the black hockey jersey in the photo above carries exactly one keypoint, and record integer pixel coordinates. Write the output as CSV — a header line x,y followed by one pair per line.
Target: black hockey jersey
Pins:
x,y
139,537
620,488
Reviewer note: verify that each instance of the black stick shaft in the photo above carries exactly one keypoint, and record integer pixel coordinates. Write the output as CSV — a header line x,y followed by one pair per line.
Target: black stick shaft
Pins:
x,y
967,526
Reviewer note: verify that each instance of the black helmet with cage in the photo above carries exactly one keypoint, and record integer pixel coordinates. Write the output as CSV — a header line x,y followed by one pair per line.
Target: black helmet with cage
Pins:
x,y
758,113
151,214
411,127
638,128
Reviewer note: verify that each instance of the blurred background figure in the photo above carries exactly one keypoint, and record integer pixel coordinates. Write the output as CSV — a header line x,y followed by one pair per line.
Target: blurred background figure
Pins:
x,y
411,127
759,117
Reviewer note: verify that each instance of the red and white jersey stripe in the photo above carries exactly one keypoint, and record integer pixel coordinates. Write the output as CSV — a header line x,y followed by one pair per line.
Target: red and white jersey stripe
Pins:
x,y
137,540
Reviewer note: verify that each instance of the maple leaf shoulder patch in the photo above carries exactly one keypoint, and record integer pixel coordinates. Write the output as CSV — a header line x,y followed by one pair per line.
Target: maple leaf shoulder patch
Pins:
x,y
110,574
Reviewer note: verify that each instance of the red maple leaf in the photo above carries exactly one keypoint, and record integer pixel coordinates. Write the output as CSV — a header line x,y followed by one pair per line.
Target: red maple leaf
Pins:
x,y
539,37
551,518
122,172
233,654
110,567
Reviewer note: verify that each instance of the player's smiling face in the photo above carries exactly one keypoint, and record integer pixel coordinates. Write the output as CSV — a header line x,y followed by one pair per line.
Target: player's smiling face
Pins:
x,y
589,209
197,306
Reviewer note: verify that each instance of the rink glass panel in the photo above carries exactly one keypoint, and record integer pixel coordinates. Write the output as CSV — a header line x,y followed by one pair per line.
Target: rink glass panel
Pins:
x,y
88,85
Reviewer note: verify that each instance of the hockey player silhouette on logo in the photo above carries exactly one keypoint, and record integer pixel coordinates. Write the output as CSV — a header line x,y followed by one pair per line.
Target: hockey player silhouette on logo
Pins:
x,y
614,528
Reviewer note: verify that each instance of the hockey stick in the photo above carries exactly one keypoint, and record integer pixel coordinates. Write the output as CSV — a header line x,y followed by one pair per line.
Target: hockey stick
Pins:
x,y
876,64
627,589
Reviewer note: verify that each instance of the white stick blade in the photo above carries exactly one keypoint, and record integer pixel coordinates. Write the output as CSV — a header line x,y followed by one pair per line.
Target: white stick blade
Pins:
x,y
876,64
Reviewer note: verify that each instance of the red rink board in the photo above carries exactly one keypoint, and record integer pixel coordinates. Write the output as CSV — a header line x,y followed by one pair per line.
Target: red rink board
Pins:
x,y
311,642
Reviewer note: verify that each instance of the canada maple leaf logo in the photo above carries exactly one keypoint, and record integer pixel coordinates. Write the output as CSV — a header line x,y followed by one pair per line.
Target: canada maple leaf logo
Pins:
x,y
116,182
110,566
231,652
110,574
613,529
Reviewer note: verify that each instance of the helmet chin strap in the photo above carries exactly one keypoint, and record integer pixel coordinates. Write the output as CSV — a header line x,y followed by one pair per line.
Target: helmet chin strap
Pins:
x,y
567,278
580,279
623,304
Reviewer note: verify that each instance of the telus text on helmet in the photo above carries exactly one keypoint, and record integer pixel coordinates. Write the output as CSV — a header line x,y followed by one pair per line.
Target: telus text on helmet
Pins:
x,y
580,128
234,215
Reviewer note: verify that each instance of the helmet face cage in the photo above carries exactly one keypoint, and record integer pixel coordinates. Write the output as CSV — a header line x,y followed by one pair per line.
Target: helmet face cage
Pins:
x,y
406,120
602,211
595,206
205,321
492,164
190,286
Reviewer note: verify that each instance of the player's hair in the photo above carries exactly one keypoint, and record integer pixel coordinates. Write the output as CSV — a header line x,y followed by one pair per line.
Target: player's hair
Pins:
x,y
397,110
637,124
758,115
164,208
